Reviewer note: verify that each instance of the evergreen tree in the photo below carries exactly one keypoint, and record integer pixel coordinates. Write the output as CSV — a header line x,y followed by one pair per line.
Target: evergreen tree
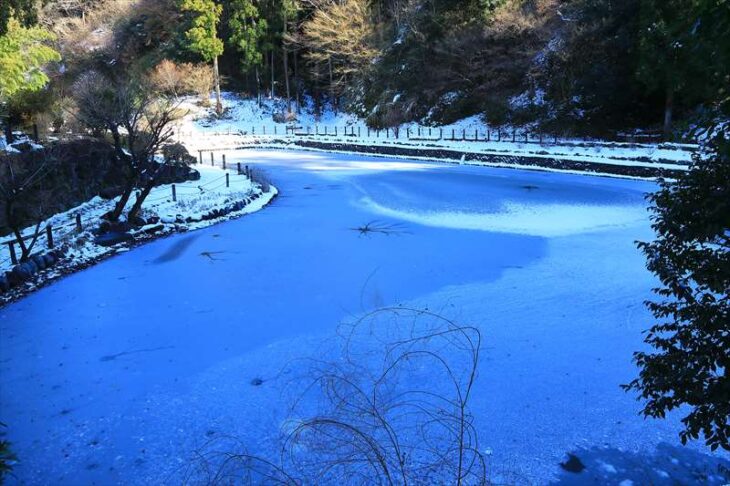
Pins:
x,y
24,52
203,36
666,61
691,257
247,33
24,11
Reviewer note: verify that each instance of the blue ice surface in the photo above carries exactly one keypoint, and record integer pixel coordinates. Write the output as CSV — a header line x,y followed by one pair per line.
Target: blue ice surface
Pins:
x,y
101,373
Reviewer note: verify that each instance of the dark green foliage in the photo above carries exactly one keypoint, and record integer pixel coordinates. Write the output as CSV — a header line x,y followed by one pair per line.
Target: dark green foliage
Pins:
x,y
690,361
633,62
247,31
590,78
23,10
456,60
7,457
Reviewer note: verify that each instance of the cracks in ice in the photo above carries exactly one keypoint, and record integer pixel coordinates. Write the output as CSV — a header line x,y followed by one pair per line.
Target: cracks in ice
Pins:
x,y
112,357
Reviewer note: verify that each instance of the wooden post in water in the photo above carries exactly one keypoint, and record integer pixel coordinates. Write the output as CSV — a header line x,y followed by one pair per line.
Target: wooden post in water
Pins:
x,y
224,161
212,158
228,180
174,193
79,227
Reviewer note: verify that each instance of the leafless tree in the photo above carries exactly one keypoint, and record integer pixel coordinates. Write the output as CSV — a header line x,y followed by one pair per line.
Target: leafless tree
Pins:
x,y
140,124
23,196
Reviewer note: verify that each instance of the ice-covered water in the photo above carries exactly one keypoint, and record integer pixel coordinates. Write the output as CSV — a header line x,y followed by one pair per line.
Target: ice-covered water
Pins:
x,y
116,374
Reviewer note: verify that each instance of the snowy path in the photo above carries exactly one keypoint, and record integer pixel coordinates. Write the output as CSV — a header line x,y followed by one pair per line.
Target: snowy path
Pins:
x,y
115,374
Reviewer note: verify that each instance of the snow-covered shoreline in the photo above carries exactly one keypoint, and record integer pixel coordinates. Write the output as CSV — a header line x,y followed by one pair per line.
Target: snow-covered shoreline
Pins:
x,y
247,125
198,204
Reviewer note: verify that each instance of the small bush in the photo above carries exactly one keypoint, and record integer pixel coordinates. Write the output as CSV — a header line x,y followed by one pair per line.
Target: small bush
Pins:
x,y
391,407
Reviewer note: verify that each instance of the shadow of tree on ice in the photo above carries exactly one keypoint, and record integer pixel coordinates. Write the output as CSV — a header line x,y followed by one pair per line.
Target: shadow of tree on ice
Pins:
x,y
667,465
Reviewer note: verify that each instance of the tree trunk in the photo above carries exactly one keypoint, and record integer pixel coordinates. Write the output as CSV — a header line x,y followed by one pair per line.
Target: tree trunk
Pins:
x,y
218,104
8,131
296,81
668,111
129,187
137,206
123,199
258,86
285,56
272,75
332,86
15,228
286,79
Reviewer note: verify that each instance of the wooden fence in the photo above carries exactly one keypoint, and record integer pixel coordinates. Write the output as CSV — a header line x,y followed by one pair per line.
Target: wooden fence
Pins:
x,y
52,235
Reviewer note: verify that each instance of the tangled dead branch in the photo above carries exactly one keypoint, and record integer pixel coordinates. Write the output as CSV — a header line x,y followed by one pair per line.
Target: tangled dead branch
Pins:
x,y
390,407
377,227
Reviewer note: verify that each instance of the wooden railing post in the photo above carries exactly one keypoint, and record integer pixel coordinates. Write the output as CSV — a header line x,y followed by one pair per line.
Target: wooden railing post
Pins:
x,y
13,256
49,236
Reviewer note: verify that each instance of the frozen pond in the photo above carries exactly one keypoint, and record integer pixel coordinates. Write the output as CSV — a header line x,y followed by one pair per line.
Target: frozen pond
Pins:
x,y
115,374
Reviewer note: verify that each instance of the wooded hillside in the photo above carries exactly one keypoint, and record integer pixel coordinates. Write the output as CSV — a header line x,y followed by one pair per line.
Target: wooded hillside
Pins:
x,y
592,67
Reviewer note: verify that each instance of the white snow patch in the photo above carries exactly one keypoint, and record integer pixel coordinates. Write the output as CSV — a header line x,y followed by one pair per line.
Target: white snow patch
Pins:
x,y
546,220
